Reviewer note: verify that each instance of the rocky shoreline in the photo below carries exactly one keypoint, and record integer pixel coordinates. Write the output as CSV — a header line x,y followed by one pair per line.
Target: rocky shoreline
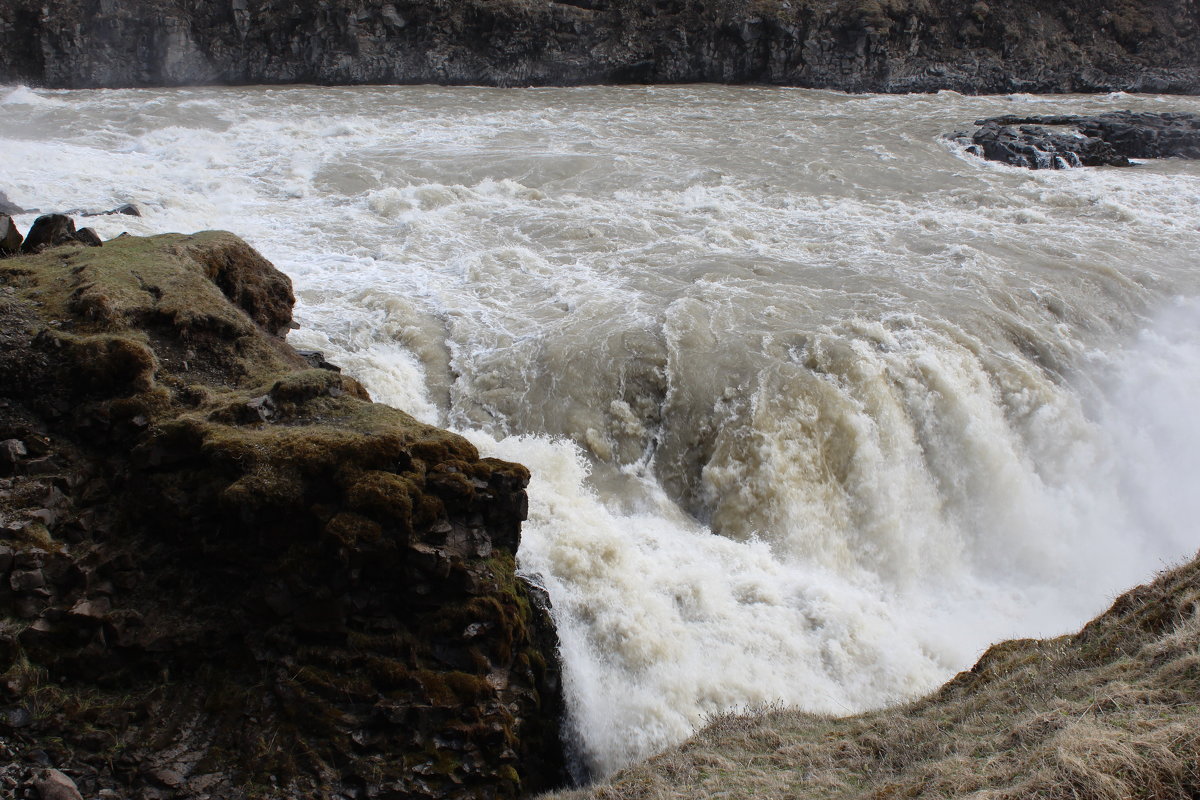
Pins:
x,y
1065,141
225,572
852,45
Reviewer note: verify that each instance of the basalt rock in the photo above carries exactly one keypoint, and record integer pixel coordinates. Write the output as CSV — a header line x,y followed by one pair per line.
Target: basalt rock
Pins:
x,y
1056,142
235,576
856,45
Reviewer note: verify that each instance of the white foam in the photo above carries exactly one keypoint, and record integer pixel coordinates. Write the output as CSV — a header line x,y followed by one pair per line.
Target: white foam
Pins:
x,y
24,96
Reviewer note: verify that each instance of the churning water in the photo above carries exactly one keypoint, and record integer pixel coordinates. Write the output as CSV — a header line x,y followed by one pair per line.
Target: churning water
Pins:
x,y
816,405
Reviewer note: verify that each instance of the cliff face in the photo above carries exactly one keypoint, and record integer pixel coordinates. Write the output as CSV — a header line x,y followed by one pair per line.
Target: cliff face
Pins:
x,y
856,45
225,573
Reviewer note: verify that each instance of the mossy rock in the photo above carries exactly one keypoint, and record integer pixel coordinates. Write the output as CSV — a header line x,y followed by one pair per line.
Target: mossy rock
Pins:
x,y
299,590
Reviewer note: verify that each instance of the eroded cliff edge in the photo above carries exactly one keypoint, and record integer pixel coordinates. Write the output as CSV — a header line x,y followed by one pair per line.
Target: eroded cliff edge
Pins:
x,y
855,45
225,573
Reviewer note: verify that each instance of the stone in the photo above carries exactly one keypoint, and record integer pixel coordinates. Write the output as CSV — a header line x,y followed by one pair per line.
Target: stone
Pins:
x,y
8,207
33,558
12,451
128,210
1061,141
10,237
15,717
25,581
94,608
53,784
49,230
89,237
316,359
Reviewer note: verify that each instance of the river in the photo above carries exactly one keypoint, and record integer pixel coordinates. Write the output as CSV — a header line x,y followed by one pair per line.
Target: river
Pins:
x,y
817,405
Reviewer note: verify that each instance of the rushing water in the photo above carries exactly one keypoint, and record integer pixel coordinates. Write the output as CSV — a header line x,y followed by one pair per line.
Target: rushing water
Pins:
x,y
816,405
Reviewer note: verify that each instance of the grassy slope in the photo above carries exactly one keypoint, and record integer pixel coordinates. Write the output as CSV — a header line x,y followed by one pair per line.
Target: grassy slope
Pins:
x,y
1109,713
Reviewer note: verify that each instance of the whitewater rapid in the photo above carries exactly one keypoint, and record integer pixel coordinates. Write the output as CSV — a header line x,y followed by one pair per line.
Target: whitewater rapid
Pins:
x,y
816,405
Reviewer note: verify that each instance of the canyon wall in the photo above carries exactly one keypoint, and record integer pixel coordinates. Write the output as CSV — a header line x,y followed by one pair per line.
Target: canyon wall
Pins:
x,y
854,45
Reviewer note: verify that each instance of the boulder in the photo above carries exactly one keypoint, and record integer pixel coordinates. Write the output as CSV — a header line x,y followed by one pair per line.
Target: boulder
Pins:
x,y
53,784
1057,142
89,237
49,230
10,237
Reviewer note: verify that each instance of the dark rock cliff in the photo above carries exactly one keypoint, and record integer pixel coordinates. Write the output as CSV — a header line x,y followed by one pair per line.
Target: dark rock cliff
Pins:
x,y
225,573
856,45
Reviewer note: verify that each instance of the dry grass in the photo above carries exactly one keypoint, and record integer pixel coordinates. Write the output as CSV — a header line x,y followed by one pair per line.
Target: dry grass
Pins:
x,y
1110,713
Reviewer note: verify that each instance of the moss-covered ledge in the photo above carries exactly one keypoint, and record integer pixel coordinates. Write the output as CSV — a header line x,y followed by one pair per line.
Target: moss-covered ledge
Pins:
x,y
225,573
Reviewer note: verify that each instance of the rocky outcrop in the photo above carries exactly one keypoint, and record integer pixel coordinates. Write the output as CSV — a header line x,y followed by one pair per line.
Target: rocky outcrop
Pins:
x,y
1058,142
857,45
226,573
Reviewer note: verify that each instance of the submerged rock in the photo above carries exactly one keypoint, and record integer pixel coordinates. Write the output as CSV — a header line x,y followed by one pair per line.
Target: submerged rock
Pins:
x,y
236,570
1057,142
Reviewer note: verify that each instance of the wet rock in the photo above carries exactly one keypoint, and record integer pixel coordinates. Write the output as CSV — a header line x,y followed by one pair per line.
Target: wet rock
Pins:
x,y
53,784
10,237
128,210
1058,142
316,359
49,230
